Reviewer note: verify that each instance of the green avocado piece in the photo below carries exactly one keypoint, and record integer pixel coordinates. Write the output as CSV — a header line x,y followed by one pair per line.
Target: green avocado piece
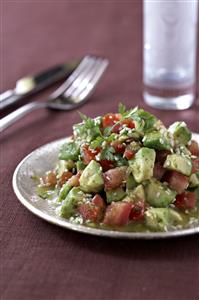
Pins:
x,y
91,180
179,163
194,180
70,202
80,165
158,194
115,195
137,193
181,133
65,189
157,140
69,151
45,192
159,219
142,164
130,182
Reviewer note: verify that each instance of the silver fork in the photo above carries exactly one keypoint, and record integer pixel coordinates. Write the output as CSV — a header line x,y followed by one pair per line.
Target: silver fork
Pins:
x,y
71,94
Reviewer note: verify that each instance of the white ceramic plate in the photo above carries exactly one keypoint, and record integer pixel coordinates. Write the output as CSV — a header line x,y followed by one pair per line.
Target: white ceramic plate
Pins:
x,y
44,159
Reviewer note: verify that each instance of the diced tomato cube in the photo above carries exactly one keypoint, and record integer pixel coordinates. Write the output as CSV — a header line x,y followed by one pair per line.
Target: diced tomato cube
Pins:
x,y
74,180
129,123
194,148
128,154
64,177
118,146
114,178
137,210
158,170
177,181
89,154
110,119
50,179
195,165
117,213
106,164
98,201
161,155
186,200
116,128
90,212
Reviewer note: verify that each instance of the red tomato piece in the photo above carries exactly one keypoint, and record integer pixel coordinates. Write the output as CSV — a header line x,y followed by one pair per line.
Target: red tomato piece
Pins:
x,y
90,212
119,147
161,155
89,154
186,200
50,179
110,119
114,178
128,154
117,213
195,165
194,148
98,201
158,171
177,181
137,211
74,180
129,123
106,164
64,177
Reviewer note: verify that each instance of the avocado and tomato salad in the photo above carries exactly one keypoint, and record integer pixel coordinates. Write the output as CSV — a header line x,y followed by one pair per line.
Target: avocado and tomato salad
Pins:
x,y
126,171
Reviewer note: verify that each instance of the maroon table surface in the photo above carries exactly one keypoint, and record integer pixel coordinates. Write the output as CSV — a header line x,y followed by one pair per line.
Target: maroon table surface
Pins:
x,y
42,261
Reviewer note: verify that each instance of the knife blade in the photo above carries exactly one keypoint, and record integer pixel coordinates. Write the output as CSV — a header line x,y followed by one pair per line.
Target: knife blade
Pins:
x,y
31,84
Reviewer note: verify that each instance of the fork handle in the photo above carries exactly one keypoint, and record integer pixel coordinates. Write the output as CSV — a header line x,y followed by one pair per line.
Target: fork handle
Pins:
x,y
19,113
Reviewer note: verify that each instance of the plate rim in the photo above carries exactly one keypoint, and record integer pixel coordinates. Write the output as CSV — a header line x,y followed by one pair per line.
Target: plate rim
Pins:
x,y
82,228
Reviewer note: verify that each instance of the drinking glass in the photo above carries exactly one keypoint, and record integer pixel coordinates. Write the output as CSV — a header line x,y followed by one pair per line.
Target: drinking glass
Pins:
x,y
170,44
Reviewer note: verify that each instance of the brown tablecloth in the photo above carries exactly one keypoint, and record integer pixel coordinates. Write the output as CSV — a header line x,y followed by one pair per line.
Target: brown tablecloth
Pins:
x,y
42,261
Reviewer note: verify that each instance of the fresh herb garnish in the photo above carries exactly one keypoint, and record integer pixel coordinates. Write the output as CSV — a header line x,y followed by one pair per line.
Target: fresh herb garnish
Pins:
x,y
107,153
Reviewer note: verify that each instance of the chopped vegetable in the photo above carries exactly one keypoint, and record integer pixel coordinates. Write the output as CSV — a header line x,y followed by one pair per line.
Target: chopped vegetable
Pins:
x,y
126,171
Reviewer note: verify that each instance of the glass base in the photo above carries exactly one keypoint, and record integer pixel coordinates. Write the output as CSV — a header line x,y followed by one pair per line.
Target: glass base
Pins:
x,y
172,103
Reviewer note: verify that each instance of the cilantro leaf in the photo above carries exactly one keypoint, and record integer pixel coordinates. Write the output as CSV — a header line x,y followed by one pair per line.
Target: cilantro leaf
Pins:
x,y
107,153
97,142
88,130
69,151
121,108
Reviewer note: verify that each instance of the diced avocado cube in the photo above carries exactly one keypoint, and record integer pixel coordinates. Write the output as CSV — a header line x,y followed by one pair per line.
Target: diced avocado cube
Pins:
x,y
183,150
80,165
137,193
115,195
158,194
194,180
130,182
160,219
64,192
142,164
69,204
181,133
91,180
45,192
157,140
178,163
69,151
63,165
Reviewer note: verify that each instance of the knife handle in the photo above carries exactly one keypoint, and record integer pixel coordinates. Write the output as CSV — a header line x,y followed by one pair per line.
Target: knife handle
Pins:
x,y
29,85
7,98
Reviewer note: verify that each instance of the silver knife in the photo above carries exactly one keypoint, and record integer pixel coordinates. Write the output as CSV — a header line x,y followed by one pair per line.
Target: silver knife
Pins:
x,y
31,84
